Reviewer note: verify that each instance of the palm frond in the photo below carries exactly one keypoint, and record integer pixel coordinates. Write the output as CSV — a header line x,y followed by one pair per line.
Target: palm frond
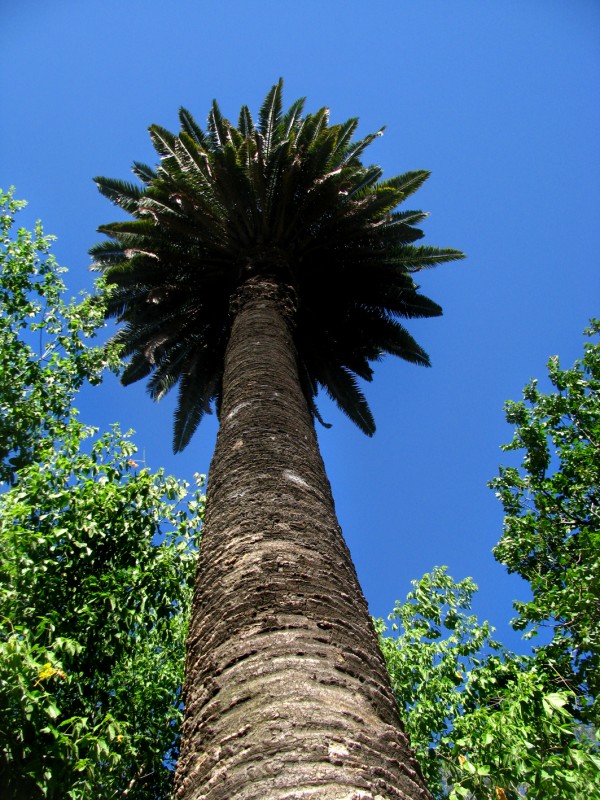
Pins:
x,y
245,122
415,259
364,179
390,292
408,217
344,140
137,369
191,407
192,158
275,192
291,118
402,233
105,254
310,127
198,387
191,127
316,163
357,149
389,335
270,116
218,127
408,183
121,193
310,388
143,172
168,370
343,388
162,140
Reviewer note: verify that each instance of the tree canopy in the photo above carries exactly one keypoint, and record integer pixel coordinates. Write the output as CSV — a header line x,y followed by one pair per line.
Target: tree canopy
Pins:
x,y
552,520
486,722
287,197
44,341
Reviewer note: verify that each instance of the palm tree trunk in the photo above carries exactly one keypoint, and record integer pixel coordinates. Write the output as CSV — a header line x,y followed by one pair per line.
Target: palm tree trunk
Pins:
x,y
287,694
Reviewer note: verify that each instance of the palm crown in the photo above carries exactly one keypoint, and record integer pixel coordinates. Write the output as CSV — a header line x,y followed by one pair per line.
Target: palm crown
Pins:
x,y
289,199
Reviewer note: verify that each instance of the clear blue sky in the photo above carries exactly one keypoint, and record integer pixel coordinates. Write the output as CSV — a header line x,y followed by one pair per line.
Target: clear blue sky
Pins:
x,y
499,99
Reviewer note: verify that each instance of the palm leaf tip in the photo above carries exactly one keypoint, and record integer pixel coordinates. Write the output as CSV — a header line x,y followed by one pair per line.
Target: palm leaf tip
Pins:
x,y
143,172
187,419
191,127
270,115
408,182
341,385
138,368
245,122
415,259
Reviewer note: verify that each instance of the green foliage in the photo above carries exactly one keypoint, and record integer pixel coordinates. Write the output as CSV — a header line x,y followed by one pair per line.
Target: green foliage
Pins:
x,y
485,723
552,521
436,648
96,562
92,623
45,358
289,200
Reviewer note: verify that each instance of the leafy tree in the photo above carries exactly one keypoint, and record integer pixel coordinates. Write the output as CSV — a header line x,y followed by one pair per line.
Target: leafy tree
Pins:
x,y
45,358
265,261
552,521
92,634
485,722
92,609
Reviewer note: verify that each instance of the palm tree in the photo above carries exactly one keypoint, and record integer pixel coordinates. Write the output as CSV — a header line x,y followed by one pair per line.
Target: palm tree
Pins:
x,y
265,262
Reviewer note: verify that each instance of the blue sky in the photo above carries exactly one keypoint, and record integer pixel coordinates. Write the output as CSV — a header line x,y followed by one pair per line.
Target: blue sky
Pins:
x,y
498,99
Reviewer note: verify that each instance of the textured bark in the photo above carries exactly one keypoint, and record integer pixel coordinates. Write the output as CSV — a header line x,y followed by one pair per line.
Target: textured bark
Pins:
x,y
287,696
